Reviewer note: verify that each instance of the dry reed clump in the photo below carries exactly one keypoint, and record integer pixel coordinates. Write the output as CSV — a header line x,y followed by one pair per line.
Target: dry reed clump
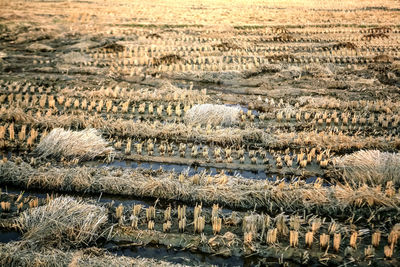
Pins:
x,y
213,114
86,144
369,166
63,222
12,254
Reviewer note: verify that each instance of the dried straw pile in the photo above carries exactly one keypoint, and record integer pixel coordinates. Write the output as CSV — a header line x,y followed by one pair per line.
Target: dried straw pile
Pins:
x,y
63,222
369,166
12,254
86,144
213,114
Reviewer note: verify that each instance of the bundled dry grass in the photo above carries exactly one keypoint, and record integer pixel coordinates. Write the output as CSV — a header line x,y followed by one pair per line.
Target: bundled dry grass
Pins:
x,y
12,254
86,144
369,166
212,114
63,222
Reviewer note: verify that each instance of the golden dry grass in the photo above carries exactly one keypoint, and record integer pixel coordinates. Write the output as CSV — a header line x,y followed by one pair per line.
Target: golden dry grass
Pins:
x,y
212,114
12,254
63,222
369,166
86,144
229,191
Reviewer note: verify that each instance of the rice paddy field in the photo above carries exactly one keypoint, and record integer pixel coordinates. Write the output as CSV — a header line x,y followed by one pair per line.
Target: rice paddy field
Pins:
x,y
175,133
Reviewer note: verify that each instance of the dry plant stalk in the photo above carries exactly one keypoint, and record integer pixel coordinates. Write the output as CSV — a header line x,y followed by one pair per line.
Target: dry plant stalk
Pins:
x,y
136,209
181,212
86,144
150,225
309,238
388,251
353,239
134,222
150,213
49,198
33,203
215,211
197,211
167,214
119,212
294,238
167,226
182,224
336,242
272,236
199,223
20,196
20,206
216,225
324,240
128,146
5,205
11,132
376,239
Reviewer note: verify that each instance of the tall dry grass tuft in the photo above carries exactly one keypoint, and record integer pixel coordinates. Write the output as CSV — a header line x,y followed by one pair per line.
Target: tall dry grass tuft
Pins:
x,y
64,222
369,166
86,144
213,115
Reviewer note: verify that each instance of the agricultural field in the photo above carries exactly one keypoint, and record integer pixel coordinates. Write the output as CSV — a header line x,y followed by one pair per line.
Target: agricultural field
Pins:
x,y
175,133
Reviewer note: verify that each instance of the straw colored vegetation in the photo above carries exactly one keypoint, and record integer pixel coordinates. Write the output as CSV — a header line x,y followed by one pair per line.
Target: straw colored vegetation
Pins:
x,y
369,166
86,144
12,254
64,222
229,191
213,114
208,84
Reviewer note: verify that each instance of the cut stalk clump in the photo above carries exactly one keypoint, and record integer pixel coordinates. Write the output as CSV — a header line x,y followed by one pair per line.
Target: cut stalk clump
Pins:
x,y
86,144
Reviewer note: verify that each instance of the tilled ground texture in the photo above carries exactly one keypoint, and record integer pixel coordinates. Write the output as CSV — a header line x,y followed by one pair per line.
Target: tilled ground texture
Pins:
x,y
199,133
